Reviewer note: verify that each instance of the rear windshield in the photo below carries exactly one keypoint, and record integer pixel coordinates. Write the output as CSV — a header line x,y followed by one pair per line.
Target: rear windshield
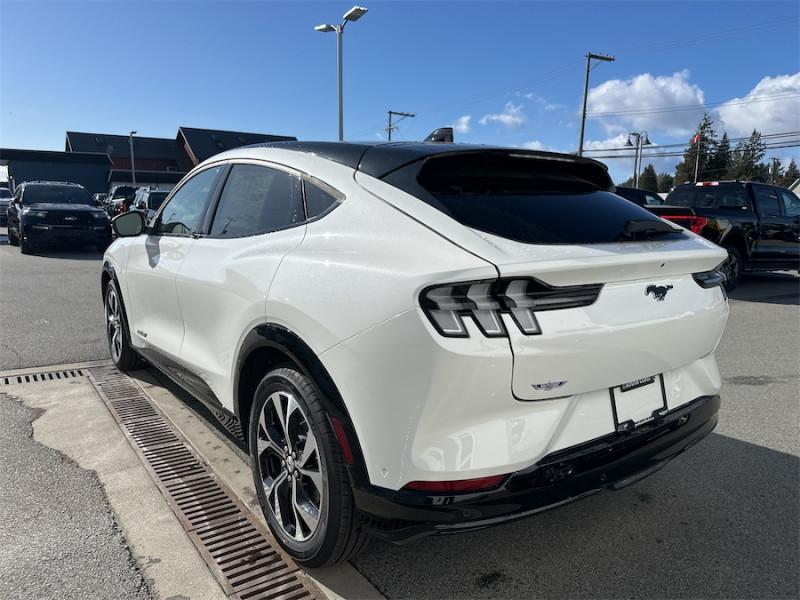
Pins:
x,y
534,202
56,194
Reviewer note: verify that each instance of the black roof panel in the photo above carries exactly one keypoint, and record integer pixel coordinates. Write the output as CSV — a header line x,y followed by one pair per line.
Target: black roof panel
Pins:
x,y
381,158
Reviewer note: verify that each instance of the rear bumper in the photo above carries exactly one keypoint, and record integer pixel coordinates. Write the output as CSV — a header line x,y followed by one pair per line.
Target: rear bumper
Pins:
x,y
611,462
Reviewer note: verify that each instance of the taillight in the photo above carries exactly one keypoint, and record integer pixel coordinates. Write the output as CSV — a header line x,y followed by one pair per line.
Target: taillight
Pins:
x,y
692,223
460,486
485,301
709,279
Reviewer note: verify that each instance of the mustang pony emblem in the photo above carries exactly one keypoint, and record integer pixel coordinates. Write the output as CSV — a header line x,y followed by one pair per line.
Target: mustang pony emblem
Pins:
x,y
659,291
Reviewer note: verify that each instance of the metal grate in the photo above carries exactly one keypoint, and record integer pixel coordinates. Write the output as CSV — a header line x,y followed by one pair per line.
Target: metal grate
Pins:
x,y
236,547
44,376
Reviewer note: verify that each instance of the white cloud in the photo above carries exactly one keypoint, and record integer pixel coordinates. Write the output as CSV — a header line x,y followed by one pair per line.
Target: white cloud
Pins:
x,y
618,141
534,145
511,117
462,124
543,103
776,112
654,97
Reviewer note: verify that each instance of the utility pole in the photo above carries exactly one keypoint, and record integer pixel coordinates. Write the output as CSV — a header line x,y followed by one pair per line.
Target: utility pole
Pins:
x,y
392,127
589,57
698,141
133,164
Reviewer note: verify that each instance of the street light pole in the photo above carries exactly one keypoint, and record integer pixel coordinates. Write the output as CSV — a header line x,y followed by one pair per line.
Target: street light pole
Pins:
x,y
133,164
589,57
641,140
354,14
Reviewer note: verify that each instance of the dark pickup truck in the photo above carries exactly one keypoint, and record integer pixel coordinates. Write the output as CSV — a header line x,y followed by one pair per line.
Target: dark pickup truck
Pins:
x,y
758,224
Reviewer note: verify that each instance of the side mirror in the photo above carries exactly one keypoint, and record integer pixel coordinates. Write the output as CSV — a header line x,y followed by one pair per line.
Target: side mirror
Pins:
x,y
128,224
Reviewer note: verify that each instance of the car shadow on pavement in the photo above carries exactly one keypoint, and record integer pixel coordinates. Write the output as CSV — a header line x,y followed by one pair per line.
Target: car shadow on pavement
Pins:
x,y
720,521
770,288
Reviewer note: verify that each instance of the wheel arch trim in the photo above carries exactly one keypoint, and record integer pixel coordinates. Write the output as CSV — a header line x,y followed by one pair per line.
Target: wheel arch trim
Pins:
x,y
272,336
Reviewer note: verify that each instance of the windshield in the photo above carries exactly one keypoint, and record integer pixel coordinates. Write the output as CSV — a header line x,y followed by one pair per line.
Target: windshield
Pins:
x,y
5,193
156,199
56,194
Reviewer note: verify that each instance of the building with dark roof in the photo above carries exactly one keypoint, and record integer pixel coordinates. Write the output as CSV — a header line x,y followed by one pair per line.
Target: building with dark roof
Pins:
x,y
200,144
99,161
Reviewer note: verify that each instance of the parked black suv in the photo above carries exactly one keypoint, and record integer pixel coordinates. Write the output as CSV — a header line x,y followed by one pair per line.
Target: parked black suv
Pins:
x,y
56,212
5,200
758,224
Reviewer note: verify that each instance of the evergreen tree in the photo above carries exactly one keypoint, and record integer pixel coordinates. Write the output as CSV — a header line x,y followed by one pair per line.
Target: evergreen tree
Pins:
x,y
665,182
791,174
648,180
746,162
627,183
705,147
720,161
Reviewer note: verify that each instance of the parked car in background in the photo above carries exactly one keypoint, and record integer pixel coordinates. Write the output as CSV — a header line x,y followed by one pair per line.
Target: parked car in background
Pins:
x,y
148,201
119,199
758,224
5,200
641,197
100,200
56,212
421,338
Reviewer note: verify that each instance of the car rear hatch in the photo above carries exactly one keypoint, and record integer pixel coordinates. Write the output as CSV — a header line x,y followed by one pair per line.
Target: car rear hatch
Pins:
x,y
593,291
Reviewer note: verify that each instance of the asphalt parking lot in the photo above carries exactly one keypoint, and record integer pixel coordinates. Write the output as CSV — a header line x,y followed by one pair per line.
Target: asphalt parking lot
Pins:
x,y
722,521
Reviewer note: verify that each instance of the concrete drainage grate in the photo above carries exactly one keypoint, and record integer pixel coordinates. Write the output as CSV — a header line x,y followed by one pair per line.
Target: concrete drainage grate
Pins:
x,y
235,546
41,377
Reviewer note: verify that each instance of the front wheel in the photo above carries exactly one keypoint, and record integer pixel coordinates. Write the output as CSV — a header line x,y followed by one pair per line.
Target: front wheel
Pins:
x,y
733,268
299,472
123,355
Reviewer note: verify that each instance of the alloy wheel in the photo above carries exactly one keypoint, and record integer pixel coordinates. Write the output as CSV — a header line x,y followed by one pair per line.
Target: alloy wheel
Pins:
x,y
114,325
290,466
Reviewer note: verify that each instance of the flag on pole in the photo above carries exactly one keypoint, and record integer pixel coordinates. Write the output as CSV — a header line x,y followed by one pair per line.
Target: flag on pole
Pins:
x,y
696,139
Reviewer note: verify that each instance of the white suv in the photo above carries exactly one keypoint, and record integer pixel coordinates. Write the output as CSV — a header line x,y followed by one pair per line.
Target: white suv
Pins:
x,y
421,338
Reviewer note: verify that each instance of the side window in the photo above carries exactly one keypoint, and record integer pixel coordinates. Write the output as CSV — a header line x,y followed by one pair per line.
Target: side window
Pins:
x,y
733,198
791,204
183,214
318,201
652,200
768,203
705,198
257,200
681,197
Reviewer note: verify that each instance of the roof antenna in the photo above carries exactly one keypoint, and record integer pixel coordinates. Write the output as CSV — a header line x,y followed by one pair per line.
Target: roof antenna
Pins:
x,y
443,135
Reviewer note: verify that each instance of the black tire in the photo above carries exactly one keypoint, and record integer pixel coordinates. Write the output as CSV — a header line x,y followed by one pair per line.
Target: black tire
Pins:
x,y
122,353
12,239
24,246
733,268
338,534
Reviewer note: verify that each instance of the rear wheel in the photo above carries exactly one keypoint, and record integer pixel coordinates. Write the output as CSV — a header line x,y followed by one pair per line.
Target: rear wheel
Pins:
x,y
733,268
299,472
123,355
12,238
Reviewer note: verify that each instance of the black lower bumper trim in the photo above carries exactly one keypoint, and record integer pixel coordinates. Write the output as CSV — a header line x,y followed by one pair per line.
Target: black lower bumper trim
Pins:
x,y
611,462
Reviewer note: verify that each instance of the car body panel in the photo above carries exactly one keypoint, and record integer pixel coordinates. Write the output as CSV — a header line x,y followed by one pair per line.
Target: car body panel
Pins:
x,y
424,406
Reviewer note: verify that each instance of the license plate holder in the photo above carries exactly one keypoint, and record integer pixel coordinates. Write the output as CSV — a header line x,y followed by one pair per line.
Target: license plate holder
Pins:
x,y
638,402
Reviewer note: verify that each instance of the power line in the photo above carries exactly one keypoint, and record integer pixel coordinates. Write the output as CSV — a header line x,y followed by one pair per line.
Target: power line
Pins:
x,y
768,146
667,109
767,136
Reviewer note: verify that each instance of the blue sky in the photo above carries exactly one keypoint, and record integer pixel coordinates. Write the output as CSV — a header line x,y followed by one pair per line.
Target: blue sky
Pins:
x,y
504,72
